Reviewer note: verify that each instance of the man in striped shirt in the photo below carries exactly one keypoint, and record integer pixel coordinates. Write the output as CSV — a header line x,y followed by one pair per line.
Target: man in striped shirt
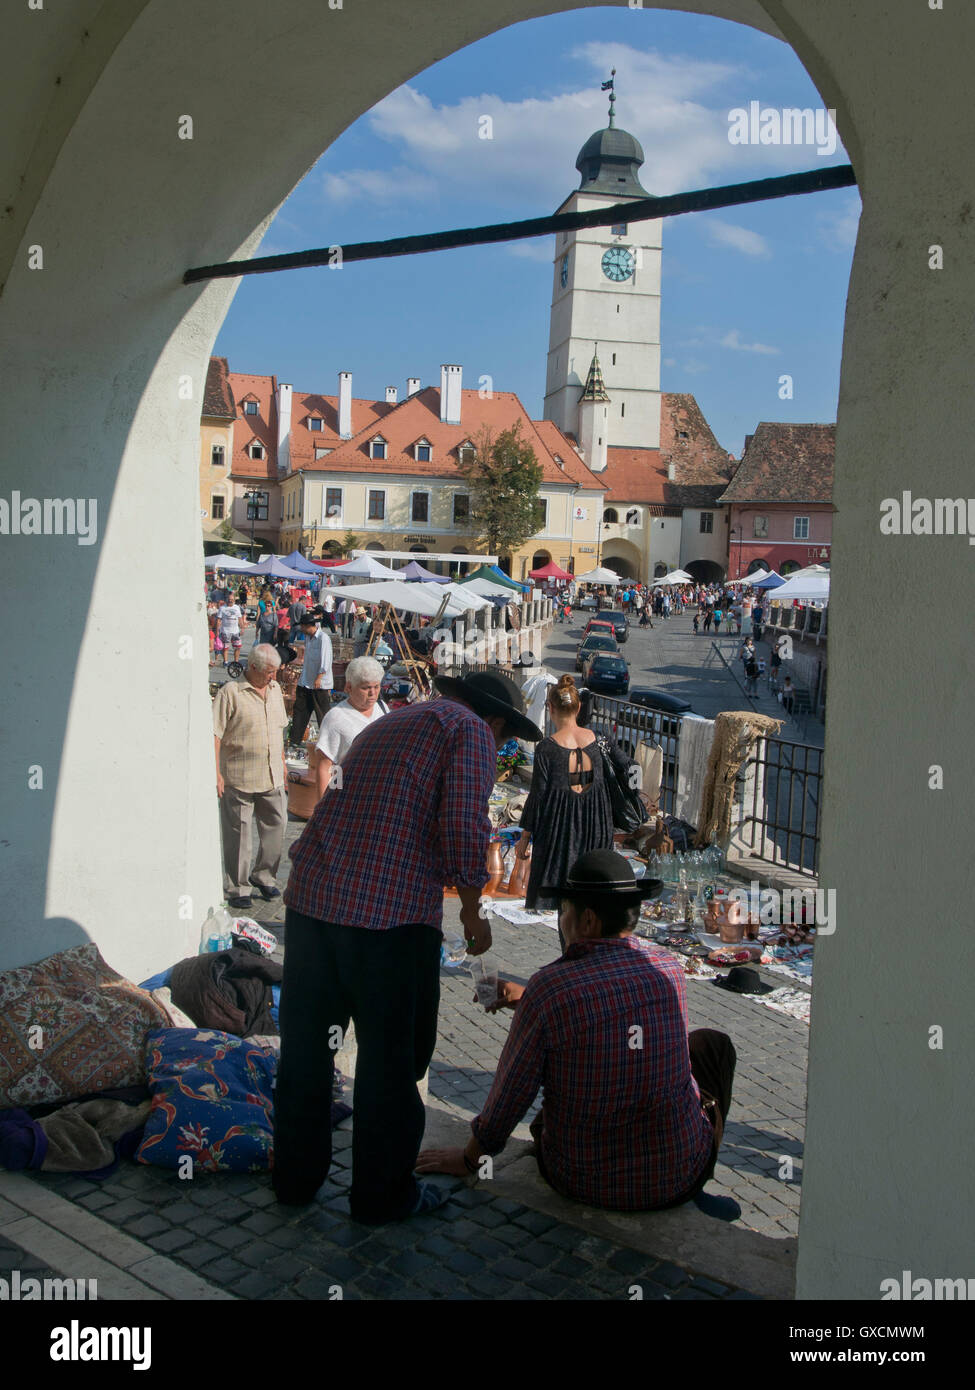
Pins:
x,y
363,936
633,1108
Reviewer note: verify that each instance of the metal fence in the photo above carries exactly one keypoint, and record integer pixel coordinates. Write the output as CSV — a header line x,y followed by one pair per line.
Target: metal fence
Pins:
x,y
781,782
781,812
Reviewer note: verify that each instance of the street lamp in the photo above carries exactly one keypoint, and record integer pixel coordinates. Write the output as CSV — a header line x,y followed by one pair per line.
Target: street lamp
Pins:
x,y
251,497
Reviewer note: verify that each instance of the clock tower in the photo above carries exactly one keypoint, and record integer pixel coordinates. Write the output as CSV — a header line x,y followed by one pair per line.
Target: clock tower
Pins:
x,y
606,289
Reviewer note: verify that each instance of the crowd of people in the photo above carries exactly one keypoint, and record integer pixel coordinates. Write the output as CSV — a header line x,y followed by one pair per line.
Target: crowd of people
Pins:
x,y
402,812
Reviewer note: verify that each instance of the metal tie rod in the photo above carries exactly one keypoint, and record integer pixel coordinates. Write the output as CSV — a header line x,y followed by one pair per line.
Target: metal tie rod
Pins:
x,y
638,210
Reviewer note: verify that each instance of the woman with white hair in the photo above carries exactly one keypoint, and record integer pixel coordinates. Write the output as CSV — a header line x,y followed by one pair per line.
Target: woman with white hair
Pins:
x,y
343,723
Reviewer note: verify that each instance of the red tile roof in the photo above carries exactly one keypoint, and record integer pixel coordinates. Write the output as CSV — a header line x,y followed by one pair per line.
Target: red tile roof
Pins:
x,y
702,467
218,398
785,463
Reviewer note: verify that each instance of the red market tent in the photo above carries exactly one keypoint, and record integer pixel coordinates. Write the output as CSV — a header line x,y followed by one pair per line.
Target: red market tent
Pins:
x,y
549,571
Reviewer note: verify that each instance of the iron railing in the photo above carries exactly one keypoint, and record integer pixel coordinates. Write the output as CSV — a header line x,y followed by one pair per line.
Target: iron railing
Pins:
x,y
783,796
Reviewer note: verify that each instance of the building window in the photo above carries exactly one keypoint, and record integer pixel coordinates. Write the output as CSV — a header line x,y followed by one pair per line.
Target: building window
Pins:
x,y
250,407
541,518
377,505
682,434
216,456
216,507
467,453
614,359
377,448
618,229
257,507
610,515
314,423
320,453
800,529
256,451
622,409
422,451
760,527
462,509
633,517
421,506
333,502
707,523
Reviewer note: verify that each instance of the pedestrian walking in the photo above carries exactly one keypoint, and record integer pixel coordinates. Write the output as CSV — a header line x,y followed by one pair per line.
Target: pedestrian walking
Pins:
x,y
708,619
718,615
788,695
229,618
697,624
363,937
313,693
249,721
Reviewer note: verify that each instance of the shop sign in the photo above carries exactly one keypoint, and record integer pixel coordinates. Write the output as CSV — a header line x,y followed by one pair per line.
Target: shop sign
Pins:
x,y
586,549
419,540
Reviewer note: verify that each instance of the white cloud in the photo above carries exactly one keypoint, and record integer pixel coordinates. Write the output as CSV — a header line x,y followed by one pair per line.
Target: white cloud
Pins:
x,y
741,239
535,249
838,228
670,362
732,339
527,164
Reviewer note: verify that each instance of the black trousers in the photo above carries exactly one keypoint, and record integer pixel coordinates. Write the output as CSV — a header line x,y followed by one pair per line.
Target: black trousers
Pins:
x,y
713,1061
388,984
305,701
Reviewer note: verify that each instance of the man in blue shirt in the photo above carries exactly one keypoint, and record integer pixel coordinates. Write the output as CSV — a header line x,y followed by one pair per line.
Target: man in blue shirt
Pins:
x,y
314,690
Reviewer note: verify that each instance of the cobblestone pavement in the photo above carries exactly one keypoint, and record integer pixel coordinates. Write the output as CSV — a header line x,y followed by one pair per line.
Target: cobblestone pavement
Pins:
x,y
228,1230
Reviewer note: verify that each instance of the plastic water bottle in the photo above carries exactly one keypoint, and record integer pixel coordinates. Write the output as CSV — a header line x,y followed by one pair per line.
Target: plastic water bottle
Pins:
x,y
453,951
210,933
226,924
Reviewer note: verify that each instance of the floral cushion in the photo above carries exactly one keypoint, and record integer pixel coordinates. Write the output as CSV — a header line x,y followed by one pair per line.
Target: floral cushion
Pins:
x,y
211,1099
69,1026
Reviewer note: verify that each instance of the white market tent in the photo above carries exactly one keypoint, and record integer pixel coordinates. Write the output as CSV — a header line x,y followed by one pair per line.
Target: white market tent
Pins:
x,y
486,589
461,592
599,576
755,578
229,563
814,588
408,598
676,577
363,567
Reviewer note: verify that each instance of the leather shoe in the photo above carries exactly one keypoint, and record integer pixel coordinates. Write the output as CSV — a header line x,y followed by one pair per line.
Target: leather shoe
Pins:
x,y
266,893
240,902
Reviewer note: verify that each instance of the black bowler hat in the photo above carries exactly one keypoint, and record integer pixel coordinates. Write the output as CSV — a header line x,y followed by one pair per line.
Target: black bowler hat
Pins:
x,y
602,873
489,693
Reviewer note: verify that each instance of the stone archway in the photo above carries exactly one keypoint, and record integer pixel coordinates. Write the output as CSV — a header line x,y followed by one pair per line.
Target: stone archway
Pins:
x,y
624,557
705,571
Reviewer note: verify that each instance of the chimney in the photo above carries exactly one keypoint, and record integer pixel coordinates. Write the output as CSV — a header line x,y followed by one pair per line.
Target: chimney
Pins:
x,y
390,395
671,472
284,428
345,405
412,385
450,386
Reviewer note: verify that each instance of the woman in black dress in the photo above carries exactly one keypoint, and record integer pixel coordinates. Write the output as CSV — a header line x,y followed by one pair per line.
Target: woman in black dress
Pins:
x,y
568,811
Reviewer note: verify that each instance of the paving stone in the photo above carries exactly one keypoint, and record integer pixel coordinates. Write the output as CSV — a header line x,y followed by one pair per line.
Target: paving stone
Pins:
x,y
95,1201
631,1262
437,1279
710,1286
464,1262
349,1235
232,1237
551,1285
409,1262
230,1209
536,1253
287,1267
487,1216
318,1286
565,1237
486,1247
286,1238
669,1275
180,1211
507,1208
510,1268
168,1241
223,1271
534,1221
259,1223
571,1267
205,1226
255,1284
257,1252
127,1210
435,1244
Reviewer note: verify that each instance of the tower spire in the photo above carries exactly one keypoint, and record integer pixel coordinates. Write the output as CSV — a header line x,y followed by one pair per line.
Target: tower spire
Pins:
x,y
594,389
610,87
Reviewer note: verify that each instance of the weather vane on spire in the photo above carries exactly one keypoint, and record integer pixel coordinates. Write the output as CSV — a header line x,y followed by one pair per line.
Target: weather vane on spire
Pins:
x,y
610,87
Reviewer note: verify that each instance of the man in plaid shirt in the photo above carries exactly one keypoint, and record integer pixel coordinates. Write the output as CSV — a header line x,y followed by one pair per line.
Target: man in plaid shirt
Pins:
x,y
363,936
633,1108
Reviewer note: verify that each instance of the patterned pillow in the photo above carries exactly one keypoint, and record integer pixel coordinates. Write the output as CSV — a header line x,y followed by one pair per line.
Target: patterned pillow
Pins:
x,y
211,1100
70,1025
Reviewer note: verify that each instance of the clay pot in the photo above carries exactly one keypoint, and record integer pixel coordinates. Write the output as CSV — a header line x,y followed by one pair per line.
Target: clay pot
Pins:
x,y
725,920
495,868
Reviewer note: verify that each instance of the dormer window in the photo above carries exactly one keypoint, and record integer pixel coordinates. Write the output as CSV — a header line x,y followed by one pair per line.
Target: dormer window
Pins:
x,y
377,447
422,451
255,451
467,453
250,407
315,423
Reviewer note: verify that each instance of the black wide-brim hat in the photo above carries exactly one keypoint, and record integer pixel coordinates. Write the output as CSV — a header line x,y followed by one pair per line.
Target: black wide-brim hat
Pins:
x,y
602,873
742,979
489,693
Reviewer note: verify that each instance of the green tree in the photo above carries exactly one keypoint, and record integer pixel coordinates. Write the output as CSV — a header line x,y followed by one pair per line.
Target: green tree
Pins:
x,y
226,529
350,542
503,476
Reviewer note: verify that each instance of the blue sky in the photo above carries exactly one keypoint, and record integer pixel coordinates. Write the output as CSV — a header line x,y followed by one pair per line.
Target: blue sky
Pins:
x,y
749,294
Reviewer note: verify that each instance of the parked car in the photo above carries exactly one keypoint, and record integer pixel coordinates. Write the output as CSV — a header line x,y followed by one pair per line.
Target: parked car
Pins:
x,y
651,698
606,673
596,643
619,621
597,624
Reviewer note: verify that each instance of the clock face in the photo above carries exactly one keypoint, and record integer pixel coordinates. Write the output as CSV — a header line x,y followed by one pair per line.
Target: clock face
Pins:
x,y
617,263
564,272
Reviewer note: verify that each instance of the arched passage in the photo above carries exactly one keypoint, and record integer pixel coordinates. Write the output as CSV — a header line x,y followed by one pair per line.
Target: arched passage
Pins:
x,y
106,349
705,571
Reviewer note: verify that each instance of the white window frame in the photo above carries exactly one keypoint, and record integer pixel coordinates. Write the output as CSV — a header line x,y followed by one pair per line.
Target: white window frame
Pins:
x,y
706,530
376,520
341,514
316,425
421,492
218,497
255,444
378,439
543,529
258,505
252,408
223,456
795,528
467,444
423,443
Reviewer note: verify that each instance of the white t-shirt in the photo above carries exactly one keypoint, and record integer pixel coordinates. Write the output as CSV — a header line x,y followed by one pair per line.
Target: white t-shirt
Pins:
x,y
341,727
328,603
229,619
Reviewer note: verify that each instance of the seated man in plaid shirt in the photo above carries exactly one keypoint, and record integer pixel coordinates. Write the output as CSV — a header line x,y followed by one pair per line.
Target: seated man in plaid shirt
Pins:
x,y
633,1108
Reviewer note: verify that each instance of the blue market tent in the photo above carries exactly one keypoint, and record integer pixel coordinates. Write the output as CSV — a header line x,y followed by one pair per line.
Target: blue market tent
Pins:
x,y
771,581
276,569
298,562
415,571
